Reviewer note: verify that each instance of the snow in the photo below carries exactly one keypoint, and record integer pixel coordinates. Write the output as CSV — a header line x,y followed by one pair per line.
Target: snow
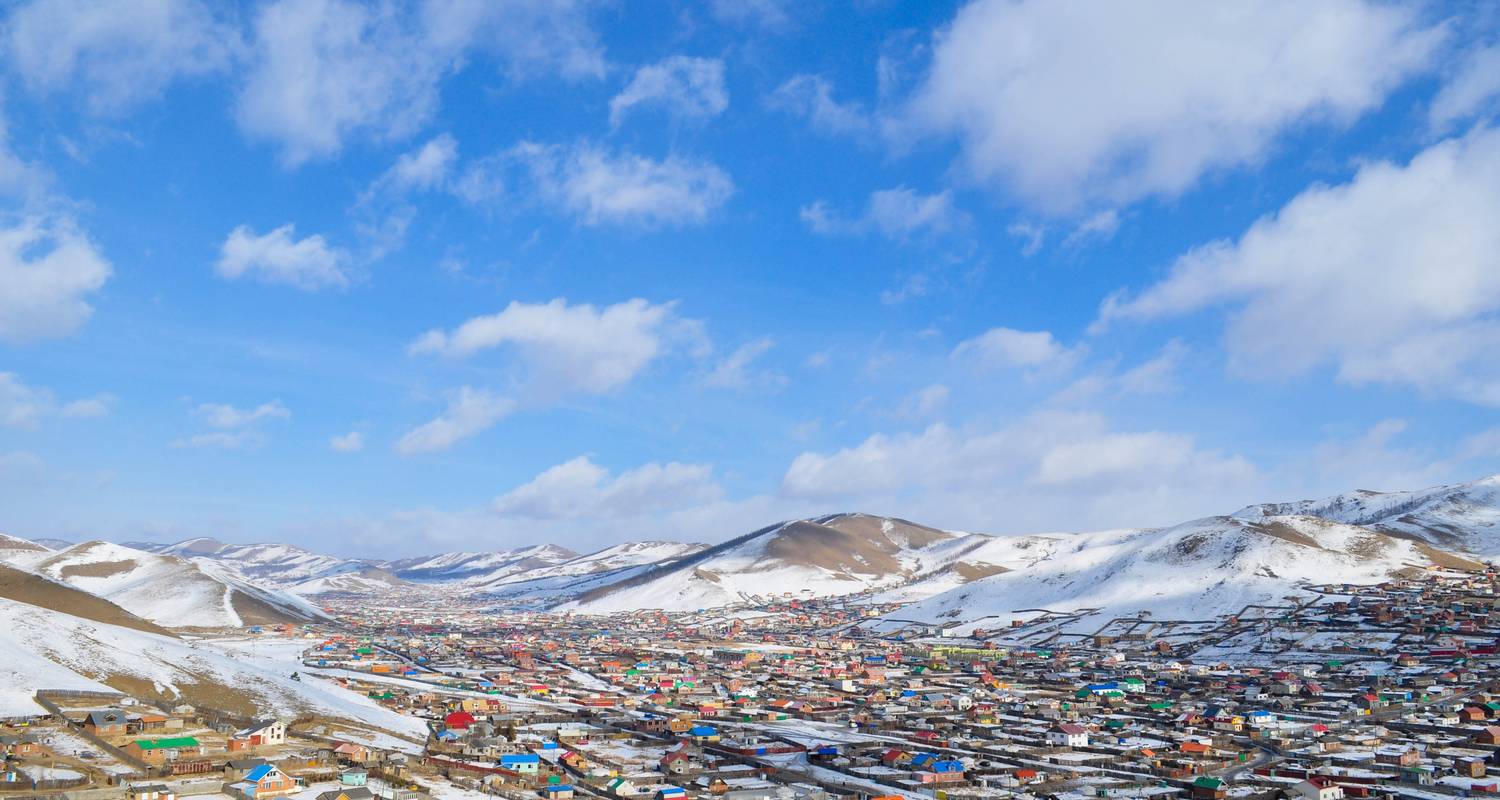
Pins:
x,y
1196,571
1462,516
167,590
50,650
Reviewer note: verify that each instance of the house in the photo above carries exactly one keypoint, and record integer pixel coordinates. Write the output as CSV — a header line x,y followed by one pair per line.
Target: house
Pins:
x,y
264,733
160,751
360,793
262,782
1068,735
352,753
670,793
149,791
1490,735
1207,788
524,763
105,724
458,721
559,791
354,776
678,760
1318,787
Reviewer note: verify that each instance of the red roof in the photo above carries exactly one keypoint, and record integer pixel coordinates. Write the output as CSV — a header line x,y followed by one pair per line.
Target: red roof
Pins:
x,y
459,720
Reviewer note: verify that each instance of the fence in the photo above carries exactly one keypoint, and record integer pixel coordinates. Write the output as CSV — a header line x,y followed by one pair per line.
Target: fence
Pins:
x,y
44,698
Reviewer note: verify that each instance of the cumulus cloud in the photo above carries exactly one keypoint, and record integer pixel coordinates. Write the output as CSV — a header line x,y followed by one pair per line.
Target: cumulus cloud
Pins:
x,y
323,71
811,97
599,186
737,370
685,87
1046,470
351,442
580,488
470,412
898,213
278,257
116,52
425,168
220,415
25,406
570,347
1010,348
768,14
1472,90
224,440
1169,91
22,406
48,269
1390,278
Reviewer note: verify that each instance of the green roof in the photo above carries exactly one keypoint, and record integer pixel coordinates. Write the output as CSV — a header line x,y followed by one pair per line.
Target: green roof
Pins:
x,y
166,744
1206,782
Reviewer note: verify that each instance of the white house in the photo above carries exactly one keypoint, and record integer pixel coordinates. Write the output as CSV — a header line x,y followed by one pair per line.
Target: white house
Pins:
x,y
1068,735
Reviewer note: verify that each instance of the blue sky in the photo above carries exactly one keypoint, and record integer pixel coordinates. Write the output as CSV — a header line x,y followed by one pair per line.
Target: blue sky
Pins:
x,y
389,278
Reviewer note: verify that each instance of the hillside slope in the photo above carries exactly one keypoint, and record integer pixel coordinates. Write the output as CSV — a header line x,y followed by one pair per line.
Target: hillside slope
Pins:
x,y
1195,571
829,556
168,590
1464,516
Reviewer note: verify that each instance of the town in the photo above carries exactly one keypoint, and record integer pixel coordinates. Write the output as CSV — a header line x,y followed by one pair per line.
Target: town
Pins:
x,y
1366,691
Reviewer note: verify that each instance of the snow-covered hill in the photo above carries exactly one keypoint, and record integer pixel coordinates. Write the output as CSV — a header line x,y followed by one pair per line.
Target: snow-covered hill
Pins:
x,y
609,560
1195,571
835,555
364,580
166,589
49,649
273,564
1464,516
479,568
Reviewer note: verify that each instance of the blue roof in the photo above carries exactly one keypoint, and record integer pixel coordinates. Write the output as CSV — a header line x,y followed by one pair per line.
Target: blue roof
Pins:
x,y
520,758
703,730
259,772
560,787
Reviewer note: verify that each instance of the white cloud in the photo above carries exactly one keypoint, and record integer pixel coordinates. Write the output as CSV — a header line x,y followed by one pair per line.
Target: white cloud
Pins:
x,y
326,70
582,489
25,406
278,257
1043,471
351,442
811,97
1098,227
686,87
470,412
219,415
425,168
735,370
570,347
924,403
22,406
603,187
47,269
1471,91
898,213
116,52
88,407
1032,236
226,440
1168,91
1390,277
1010,348
769,14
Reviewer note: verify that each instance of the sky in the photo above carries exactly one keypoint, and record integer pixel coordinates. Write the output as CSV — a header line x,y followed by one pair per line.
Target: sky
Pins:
x,y
389,278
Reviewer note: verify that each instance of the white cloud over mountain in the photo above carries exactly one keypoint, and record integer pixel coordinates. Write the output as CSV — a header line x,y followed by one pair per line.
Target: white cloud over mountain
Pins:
x,y
48,271
1389,278
1170,90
